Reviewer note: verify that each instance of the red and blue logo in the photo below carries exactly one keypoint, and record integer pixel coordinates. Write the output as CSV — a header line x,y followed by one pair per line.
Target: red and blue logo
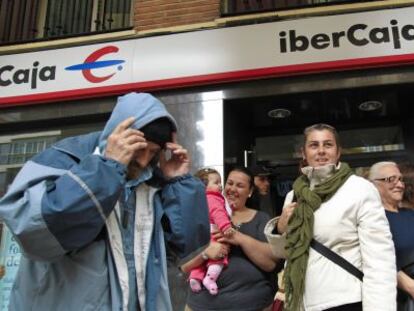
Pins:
x,y
93,62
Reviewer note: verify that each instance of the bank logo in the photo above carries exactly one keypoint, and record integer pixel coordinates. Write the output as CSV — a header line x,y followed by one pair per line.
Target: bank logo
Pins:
x,y
357,35
93,62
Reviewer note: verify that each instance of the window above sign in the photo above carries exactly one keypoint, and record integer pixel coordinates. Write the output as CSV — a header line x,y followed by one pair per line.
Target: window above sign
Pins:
x,y
238,7
32,20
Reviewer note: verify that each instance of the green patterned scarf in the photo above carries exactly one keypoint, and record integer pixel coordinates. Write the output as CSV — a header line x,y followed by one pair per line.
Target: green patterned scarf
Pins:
x,y
300,231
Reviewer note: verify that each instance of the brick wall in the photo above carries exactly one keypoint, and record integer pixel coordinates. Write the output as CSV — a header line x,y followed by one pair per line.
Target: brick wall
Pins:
x,y
153,14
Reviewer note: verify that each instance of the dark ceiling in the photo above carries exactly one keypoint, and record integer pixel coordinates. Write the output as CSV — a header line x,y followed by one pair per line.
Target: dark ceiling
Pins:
x,y
341,109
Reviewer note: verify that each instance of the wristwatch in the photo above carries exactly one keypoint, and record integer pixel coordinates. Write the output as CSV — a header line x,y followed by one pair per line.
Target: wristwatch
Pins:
x,y
204,256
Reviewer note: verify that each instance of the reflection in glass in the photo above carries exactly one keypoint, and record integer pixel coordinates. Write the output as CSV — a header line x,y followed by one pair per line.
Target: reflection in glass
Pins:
x,y
211,127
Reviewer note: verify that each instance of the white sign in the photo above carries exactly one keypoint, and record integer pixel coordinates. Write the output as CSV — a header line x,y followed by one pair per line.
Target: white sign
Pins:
x,y
346,41
10,254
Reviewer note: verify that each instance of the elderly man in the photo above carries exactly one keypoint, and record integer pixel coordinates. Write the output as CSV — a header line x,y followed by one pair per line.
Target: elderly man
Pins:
x,y
93,214
388,179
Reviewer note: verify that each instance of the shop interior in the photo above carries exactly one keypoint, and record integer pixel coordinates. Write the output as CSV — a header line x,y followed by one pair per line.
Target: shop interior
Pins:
x,y
374,123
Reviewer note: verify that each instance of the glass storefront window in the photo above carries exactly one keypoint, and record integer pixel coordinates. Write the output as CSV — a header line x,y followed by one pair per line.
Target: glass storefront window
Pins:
x,y
21,150
14,151
277,150
9,260
2,182
4,152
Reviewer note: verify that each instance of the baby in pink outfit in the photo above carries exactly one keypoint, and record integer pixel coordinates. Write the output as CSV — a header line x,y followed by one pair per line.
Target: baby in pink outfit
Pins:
x,y
208,273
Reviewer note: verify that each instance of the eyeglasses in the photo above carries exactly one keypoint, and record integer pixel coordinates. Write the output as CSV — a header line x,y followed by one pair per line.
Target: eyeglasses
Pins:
x,y
391,179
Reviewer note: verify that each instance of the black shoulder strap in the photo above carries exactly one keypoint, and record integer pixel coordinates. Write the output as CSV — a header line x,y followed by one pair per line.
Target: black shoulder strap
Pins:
x,y
334,257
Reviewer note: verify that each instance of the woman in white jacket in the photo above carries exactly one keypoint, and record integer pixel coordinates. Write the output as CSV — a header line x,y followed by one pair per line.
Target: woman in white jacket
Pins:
x,y
344,213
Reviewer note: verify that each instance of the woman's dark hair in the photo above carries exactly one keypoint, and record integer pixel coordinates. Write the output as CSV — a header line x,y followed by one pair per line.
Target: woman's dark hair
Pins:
x,y
252,201
245,171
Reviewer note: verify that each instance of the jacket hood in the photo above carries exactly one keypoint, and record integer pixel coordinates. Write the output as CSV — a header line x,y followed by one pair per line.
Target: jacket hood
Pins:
x,y
144,107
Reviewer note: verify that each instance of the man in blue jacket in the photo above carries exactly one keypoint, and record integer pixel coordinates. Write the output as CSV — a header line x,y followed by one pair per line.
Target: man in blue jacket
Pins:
x,y
93,215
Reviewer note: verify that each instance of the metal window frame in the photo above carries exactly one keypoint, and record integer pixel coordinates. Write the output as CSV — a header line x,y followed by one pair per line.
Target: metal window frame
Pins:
x,y
23,21
24,139
226,4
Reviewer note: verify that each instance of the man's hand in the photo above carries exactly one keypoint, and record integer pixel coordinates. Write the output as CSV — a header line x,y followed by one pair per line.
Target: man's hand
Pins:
x,y
124,142
179,162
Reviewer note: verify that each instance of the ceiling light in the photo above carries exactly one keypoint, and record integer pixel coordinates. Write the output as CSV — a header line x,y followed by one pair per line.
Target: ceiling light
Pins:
x,y
370,105
279,113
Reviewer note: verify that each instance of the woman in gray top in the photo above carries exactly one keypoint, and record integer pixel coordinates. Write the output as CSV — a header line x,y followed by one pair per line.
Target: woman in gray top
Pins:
x,y
248,283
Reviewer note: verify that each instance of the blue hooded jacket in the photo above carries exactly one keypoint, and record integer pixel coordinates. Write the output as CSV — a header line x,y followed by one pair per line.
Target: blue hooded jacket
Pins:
x,y
144,107
62,209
